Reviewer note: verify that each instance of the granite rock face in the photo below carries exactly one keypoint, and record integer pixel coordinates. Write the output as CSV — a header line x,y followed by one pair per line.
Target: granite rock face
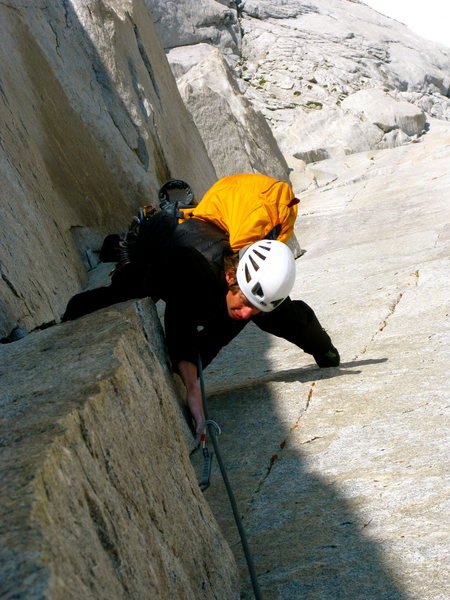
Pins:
x,y
181,23
237,138
369,118
386,113
342,474
96,479
92,125
323,51
301,61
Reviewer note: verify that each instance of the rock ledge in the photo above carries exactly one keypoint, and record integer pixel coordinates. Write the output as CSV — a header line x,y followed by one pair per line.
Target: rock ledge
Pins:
x,y
99,499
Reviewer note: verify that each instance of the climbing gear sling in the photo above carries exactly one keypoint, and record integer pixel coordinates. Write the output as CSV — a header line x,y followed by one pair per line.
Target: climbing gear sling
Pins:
x,y
151,228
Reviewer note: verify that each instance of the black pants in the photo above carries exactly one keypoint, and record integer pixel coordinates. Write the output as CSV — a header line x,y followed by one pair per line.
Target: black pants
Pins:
x,y
296,322
293,320
129,282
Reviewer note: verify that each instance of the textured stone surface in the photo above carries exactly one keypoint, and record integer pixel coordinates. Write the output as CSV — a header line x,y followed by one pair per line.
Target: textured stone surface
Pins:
x,y
183,58
183,23
98,497
342,474
237,138
92,124
298,59
385,112
330,133
300,52
369,119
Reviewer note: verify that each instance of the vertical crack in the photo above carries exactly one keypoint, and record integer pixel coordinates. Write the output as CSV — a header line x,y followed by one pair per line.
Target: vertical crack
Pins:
x,y
392,308
146,61
10,284
283,444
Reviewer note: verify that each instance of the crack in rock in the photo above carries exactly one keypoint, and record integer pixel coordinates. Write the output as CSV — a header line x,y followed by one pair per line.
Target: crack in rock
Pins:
x,y
392,308
316,437
10,285
275,457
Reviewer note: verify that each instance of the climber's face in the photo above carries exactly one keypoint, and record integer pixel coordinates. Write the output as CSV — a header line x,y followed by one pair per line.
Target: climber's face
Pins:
x,y
237,304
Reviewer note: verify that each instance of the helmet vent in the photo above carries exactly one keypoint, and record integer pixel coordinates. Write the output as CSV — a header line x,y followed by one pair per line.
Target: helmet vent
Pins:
x,y
261,256
258,291
247,275
276,303
254,263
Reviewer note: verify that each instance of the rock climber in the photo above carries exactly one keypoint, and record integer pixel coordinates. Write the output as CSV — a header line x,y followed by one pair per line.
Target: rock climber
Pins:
x,y
254,287
211,293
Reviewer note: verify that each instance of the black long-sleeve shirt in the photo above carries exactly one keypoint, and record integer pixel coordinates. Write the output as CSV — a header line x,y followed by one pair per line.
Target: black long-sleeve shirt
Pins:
x,y
195,299
194,289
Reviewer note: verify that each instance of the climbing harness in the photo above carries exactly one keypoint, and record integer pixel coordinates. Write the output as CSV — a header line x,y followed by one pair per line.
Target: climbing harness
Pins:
x,y
212,429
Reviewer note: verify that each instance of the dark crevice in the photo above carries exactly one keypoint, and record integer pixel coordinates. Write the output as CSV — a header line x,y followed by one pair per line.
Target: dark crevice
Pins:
x,y
102,532
10,285
146,62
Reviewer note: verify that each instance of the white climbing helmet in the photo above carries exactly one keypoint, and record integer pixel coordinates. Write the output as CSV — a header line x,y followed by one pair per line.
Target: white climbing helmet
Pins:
x,y
266,273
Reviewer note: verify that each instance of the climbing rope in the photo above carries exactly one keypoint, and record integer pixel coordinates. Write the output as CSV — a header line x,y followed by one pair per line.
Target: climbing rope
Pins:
x,y
213,429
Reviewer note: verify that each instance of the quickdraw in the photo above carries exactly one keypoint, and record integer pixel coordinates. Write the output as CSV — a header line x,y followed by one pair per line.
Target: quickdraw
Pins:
x,y
207,455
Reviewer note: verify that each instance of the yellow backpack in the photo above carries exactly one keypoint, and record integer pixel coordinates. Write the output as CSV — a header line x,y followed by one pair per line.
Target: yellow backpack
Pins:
x,y
249,207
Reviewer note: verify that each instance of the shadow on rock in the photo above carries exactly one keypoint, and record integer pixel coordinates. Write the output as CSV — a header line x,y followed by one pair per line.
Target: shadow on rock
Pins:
x,y
302,374
306,539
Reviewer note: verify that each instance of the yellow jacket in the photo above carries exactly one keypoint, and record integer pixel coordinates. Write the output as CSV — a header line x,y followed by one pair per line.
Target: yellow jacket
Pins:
x,y
248,207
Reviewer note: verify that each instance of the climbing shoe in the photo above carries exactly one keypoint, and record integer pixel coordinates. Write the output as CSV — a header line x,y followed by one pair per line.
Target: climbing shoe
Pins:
x,y
328,359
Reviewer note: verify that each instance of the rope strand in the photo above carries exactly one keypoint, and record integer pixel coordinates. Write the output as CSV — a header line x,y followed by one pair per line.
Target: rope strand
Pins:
x,y
211,427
